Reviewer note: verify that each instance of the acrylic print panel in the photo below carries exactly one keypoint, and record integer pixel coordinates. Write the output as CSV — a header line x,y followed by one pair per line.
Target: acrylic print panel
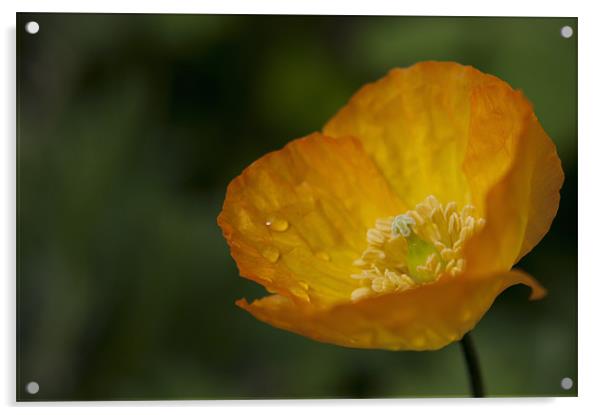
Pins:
x,y
133,131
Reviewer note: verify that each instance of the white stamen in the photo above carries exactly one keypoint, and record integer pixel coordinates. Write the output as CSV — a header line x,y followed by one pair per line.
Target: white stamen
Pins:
x,y
360,293
401,225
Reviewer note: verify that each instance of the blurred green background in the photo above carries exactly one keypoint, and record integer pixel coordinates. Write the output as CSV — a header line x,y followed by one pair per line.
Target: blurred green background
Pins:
x,y
129,129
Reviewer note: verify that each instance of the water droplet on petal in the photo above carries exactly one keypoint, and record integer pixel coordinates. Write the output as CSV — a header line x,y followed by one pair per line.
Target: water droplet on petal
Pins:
x,y
277,224
323,256
300,292
271,254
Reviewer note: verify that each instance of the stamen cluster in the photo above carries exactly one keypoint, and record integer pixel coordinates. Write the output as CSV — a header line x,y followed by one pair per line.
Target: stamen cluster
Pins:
x,y
414,248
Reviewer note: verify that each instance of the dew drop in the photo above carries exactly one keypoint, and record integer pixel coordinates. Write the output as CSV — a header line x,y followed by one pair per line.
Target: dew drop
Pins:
x,y
300,292
323,256
271,254
277,224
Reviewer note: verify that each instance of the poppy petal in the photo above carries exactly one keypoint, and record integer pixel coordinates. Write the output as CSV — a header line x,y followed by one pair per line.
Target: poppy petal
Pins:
x,y
414,123
521,205
425,318
296,219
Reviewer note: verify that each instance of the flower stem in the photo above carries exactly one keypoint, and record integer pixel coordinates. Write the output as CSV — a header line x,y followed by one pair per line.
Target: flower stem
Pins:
x,y
472,366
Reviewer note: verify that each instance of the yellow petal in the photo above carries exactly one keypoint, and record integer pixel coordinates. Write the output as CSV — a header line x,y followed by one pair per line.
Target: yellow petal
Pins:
x,y
521,205
425,318
414,123
296,219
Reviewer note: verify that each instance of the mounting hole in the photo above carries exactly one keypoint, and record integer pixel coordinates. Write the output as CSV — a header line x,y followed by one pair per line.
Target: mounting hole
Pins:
x,y
566,383
32,388
32,28
566,32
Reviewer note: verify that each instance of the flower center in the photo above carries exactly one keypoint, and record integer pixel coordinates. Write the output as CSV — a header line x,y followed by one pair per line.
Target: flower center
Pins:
x,y
414,248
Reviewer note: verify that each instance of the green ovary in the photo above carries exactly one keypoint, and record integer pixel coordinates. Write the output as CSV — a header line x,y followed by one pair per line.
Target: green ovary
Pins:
x,y
418,253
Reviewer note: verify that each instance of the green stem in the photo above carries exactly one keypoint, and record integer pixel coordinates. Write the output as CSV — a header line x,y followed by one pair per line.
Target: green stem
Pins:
x,y
472,366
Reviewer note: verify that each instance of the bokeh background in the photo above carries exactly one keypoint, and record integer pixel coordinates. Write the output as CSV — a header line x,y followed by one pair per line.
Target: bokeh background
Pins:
x,y
129,129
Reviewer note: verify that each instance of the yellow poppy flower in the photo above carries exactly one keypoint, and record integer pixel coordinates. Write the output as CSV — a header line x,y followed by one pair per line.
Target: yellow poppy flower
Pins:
x,y
397,226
